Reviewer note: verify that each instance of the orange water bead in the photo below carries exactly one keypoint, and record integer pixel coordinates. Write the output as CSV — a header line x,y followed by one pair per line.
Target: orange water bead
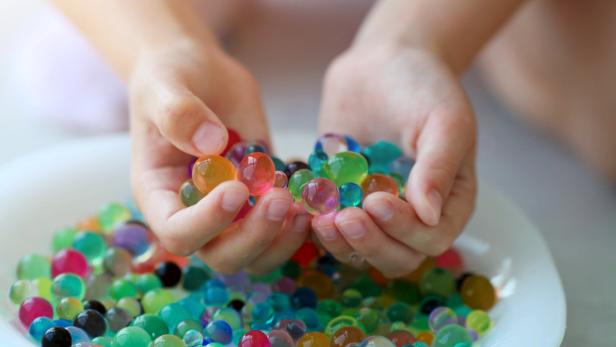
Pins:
x,y
257,172
379,183
426,337
90,224
347,335
319,282
211,170
313,339
478,292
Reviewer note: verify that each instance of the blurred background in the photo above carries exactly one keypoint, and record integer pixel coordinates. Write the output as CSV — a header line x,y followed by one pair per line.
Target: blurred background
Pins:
x,y
41,104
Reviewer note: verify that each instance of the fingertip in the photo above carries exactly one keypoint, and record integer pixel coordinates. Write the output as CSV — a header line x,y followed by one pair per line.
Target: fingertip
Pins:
x,y
234,195
325,226
210,137
427,202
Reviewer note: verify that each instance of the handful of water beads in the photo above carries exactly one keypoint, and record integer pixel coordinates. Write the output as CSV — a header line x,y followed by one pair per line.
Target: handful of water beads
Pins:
x,y
109,283
339,173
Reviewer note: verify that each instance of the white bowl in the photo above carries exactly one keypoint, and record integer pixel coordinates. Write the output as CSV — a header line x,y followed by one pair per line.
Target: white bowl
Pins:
x,y
42,192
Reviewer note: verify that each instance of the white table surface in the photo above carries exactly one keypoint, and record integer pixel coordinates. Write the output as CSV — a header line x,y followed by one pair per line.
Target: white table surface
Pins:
x,y
574,209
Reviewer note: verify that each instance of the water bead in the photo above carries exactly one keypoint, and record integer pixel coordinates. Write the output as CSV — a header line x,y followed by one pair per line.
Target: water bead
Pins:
x,y
39,326
92,322
130,305
450,260
216,296
379,183
313,339
310,317
229,315
132,336
441,317
256,148
210,171
318,282
155,299
257,172
297,181
346,167
320,196
401,337
263,312
63,239
135,238
20,290
168,341
169,273
147,282
254,338
350,195
419,344
369,318
69,261
113,214
478,321
95,305
376,341
103,341
173,314
451,335
78,335
318,164
118,318
403,290
236,153
92,245
232,138
304,297
339,322
152,324
280,338
189,193
43,287
56,337
295,166
219,331
402,166
97,285
278,163
185,326
194,277
122,288
331,144
117,261
33,266
381,154
280,179
295,328
438,281
68,284
478,293
68,308
193,338
399,312
346,335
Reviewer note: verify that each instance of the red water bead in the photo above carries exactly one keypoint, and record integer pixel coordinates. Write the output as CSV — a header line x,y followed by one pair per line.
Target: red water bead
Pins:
x,y
305,254
450,260
254,338
232,138
257,172
32,308
401,337
69,260
247,207
379,183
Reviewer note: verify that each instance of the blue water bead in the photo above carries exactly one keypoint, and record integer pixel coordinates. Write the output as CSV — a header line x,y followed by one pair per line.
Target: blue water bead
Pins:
x,y
380,155
216,296
419,344
352,144
310,317
62,323
215,283
350,195
279,301
174,313
304,297
219,331
284,315
263,313
278,163
402,166
317,162
39,326
78,335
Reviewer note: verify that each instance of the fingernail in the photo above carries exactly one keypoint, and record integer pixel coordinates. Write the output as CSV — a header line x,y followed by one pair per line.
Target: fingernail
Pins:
x,y
209,137
300,223
353,229
435,202
233,200
277,209
381,209
327,232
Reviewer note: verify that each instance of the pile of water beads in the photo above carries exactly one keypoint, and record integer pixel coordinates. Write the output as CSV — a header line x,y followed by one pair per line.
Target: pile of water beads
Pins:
x,y
109,283
338,173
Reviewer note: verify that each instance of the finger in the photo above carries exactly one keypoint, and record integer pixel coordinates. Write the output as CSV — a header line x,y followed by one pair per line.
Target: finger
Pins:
x,y
325,229
442,146
244,241
182,118
398,219
391,257
289,239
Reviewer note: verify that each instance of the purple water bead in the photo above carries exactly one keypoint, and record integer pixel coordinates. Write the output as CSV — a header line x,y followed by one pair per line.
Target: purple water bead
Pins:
x,y
133,237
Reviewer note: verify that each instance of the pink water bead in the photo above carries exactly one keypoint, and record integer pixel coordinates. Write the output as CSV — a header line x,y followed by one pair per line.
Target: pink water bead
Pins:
x,y
450,260
257,172
32,308
320,196
254,338
69,260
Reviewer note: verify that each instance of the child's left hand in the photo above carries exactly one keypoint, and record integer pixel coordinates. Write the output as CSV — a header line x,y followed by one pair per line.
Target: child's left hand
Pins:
x,y
412,98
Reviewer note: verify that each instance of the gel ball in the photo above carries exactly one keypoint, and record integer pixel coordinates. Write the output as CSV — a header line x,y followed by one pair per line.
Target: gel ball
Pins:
x,y
168,341
379,183
350,195
441,317
257,172
56,337
189,193
219,331
478,321
135,238
68,308
320,196
69,261
33,266
117,261
346,335
211,170
112,215
32,308
381,154
478,293
92,322
297,181
39,326
92,245
346,167
131,337
169,273
294,166
280,338
68,285
331,144
313,339
280,179
451,336
438,281
232,138
254,338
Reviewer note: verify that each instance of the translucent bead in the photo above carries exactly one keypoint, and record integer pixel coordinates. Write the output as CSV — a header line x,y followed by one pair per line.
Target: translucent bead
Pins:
x,y
112,215
331,144
278,163
155,299
399,312
402,166
194,277
132,336
92,322
189,193
295,328
450,260
56,336
263,312
103,341
130,305
78,335
43,287
117,261
254,338
257,172
193,338
68,285
147,282
173,314
92,245
69,261
304,297
478,321
379,183
232,138
185,326
478,293
20,290
381,154
318,164
339,322
347,167
297,182
320,196
229,315
441,317
280,179
451,335
313,339
294,166
39,326
135,238
152,324
63,239
169,273
280,338
351,195
219,331
347,335
118,318
33,266
68,308
211,170
122,288
97,285
401,338
168,341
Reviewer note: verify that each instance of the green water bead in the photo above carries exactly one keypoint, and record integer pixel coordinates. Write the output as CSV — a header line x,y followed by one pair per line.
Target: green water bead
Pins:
x,y
122,288
231,316
131,336
168,341
329,307
347,167
381,154
366,286
185,326
104,341
68,285
63,239
403,290
112,215
173,314
297,182
194,277
33,266
351,298
269,277
399,312
91,244
152,324
478,321
21,290
156,299
339,322
291,269
190,194
147,282
318,164
451,336
438,281
43,287
68,308
130,305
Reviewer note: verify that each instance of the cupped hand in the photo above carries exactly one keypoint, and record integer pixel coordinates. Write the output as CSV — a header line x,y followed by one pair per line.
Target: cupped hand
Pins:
x,y
412,98
181,100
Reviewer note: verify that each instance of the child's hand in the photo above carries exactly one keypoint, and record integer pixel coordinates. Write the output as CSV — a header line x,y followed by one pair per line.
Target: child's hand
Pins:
x,y
182,98
412,98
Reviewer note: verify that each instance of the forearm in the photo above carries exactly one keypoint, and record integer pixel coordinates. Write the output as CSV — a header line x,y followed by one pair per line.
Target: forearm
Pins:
x,y
124,30
454,29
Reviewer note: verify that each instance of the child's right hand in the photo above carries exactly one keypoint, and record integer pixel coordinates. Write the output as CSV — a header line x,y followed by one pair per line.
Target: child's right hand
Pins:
x,y
181,99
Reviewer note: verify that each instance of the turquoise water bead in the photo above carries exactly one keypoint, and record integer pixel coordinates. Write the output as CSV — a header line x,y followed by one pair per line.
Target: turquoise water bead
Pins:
x,y
131,337
152,324
381,154
92,245
68,285
263,312
219,331
441,317
173,314
346,167
229,315
193,338
350,195
320,196
33,266
451,336
318,163
104,341
216,296
39,326
310,317
278,163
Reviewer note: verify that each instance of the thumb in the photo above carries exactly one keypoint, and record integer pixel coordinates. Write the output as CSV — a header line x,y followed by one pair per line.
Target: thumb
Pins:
x,y
185,120
441,147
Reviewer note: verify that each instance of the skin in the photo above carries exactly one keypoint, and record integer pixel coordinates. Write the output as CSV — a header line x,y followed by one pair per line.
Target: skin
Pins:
x,y
401,72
